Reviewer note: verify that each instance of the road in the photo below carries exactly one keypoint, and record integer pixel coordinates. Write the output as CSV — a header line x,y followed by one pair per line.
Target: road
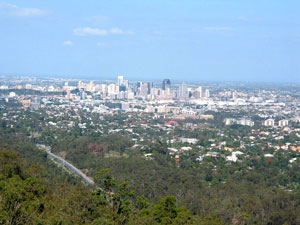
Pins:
x,y
68,165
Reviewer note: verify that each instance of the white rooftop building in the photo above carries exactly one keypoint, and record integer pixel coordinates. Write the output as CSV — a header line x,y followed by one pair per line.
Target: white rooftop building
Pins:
x,y
269,123
283,123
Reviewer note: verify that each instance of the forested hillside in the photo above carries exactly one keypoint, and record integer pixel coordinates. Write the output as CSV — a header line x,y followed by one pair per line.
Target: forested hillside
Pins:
x,y
27,198
136,190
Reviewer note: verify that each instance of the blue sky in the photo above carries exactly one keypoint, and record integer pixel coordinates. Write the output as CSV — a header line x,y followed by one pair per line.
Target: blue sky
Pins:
x,y
210,40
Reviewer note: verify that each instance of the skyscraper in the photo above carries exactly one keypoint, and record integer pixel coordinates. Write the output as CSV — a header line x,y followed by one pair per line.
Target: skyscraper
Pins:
x,y
120,80
143,90
91,86
183,91
200,89
207,93
150,85
166,84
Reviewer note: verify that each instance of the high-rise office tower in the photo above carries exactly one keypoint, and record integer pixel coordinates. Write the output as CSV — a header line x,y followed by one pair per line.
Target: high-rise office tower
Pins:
x,y
183,93
150,86
91,86
207,93
200,90
143,90
166,84
120,80
113,88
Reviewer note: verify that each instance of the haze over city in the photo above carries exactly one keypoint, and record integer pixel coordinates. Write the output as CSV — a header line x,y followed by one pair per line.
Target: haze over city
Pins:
x,y
151,40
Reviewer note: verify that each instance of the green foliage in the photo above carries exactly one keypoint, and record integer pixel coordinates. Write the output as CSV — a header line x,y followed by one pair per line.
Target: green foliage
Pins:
x,y
21,195
21,200
255,190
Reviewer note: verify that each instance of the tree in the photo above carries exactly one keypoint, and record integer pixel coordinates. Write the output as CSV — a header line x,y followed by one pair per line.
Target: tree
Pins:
x,y
118,196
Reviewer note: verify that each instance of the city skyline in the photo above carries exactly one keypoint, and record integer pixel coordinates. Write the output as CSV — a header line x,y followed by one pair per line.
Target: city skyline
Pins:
x,y
205,40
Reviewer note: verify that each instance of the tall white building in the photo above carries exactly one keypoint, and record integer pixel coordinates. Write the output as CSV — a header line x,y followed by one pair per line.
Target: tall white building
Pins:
x,y
246,122
112,89
91,86
269,123
143,90
103,88
207,93
234,95
183,93
200,89
283,123
229,121
120,80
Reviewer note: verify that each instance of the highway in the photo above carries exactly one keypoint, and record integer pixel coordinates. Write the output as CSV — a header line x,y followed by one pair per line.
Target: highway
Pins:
x,y
66,164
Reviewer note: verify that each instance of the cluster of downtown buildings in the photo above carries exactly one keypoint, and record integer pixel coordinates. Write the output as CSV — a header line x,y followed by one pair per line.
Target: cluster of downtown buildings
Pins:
x,y
122,89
